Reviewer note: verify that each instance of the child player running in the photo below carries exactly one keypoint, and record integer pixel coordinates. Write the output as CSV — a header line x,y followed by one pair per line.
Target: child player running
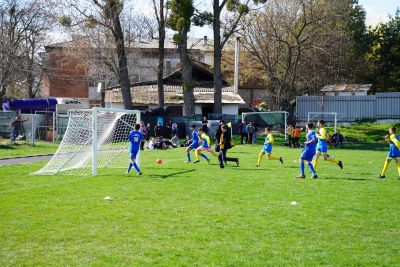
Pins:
x,y
135,137
308,151
394,151
205,146
267,148
322,146
195,141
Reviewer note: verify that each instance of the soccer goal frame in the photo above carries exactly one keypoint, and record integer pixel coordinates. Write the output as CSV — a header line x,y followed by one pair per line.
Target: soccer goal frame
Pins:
x,y
270,112
338,116
94,138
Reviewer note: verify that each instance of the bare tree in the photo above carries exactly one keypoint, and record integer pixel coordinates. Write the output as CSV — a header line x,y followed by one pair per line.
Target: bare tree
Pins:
x,y
22,32
106,14
159,12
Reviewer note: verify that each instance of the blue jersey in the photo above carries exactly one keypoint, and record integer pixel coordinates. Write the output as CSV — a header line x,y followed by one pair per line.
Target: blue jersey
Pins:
x,y
310,148
135,137
195,137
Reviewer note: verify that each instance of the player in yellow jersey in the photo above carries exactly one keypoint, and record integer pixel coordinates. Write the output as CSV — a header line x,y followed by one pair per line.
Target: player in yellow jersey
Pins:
x,y
267,148
205,146
322,147
394,152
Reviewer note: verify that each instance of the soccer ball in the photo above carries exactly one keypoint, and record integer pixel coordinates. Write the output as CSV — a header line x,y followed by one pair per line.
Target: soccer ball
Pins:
x,y
159,161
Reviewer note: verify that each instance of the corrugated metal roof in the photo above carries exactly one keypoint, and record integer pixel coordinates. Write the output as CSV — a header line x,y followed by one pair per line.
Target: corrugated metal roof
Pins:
x,y
346,87
171,97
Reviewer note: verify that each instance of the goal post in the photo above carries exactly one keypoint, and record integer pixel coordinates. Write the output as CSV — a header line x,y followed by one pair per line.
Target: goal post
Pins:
x,y
95,138
326,116
276,118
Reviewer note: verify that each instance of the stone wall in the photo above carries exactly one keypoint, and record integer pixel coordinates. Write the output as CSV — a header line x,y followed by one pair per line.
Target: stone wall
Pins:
x,y
249,95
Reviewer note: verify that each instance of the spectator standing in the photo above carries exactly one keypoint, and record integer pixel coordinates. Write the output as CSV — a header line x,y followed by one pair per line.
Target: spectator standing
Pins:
x,y
169,129
174,129
243,132
256,129
289,131
158,130
148,135
143,131
204,122
16,126
296,136
250,132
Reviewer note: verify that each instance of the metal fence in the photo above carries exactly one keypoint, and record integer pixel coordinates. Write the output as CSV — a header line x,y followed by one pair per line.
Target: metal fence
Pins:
x,y
353,108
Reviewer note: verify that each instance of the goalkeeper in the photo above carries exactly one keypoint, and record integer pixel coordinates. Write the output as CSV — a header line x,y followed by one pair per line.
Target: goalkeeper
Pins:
x,y
135,137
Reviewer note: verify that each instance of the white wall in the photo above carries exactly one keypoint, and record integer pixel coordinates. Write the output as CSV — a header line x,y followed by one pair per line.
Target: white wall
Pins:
x,y
231,109
84,102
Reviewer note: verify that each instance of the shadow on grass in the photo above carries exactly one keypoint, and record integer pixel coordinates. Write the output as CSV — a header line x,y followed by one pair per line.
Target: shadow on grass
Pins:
x,y
366,146
6,147
349,179
170,174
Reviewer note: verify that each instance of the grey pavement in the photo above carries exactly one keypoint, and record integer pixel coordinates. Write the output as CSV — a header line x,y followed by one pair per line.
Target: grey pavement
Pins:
x,y
24,160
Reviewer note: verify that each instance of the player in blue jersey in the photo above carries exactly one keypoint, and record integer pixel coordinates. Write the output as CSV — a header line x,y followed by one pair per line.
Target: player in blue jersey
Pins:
x,y
195,141
205,146
267,148
308,151
322,146
394,151
135,137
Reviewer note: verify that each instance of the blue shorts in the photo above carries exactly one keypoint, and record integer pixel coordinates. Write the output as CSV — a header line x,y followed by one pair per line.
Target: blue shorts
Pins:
x,y
306,156
322,148
134,154
267,150
194,145
393,155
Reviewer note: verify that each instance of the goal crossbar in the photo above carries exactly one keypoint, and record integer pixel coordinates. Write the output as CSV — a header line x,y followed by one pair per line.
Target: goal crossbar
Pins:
x,y
94,138
338,116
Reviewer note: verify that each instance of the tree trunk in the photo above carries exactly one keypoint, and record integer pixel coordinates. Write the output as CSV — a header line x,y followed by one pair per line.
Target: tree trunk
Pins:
x,y
30,79
122,63
160,69
186,65
217,59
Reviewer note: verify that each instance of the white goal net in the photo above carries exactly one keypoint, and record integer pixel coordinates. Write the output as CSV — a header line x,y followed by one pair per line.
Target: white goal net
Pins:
x,y
95,138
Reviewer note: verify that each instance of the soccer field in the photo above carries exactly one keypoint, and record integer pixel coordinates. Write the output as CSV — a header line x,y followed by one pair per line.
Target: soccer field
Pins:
x,y
178,214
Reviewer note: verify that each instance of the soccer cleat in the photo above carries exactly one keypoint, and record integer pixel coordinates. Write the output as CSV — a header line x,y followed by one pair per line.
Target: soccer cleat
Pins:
x,y
300,176
208,161
187,161
139,173
383,176
257,166
196,161
126,173
314,176
281,160
221,167
340,164
237,161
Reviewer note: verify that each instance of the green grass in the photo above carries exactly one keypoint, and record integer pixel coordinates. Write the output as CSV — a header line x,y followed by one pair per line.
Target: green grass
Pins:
x,y
179,214
21,148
